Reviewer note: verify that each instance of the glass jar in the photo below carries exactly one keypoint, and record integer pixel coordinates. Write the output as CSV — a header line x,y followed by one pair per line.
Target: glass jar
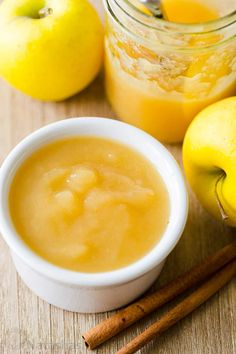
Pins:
x,y
160,74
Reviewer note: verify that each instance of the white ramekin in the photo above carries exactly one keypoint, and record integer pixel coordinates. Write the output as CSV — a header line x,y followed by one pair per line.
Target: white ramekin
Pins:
x,y
94,292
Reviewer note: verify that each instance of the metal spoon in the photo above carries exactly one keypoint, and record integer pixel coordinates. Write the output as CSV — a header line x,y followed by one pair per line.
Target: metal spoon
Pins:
x,y
154,6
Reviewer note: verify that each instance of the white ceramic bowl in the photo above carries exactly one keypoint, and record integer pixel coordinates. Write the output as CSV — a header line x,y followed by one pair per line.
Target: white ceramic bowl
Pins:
x,y
94,292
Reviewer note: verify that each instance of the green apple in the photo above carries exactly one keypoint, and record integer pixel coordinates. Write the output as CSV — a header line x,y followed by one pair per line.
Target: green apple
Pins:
x,y
49,49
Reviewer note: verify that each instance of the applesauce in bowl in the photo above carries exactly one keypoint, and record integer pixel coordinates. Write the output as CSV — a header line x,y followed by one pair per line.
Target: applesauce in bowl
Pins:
x,y
60,207
89,204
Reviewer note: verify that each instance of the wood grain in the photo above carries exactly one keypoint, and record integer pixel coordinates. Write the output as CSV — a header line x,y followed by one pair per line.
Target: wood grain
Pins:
x,y
29,325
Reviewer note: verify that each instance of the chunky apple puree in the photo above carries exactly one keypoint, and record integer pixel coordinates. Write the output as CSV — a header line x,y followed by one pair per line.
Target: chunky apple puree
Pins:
x,y
89,204
158,78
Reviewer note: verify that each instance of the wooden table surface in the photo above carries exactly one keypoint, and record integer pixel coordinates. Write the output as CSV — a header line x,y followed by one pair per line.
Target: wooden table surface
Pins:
x,y
30,325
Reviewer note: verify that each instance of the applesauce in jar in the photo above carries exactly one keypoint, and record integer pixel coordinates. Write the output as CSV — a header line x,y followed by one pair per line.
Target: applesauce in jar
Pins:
x,y
161,73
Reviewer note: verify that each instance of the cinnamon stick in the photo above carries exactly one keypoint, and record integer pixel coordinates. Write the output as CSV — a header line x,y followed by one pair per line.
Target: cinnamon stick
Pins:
x,y
141,308
189,304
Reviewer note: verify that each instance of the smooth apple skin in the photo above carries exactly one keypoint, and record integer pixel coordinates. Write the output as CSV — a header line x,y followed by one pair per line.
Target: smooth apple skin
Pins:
x,y
54,57
209,157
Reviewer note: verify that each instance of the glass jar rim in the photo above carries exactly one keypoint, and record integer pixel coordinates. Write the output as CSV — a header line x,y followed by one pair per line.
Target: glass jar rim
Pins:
x,y
189,28
171,35
175,27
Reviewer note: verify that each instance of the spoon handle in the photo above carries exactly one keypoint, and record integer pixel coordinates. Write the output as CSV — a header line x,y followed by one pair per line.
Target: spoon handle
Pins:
x,y
154,6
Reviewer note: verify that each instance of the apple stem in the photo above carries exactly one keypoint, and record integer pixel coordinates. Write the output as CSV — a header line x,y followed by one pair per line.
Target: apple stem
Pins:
x,y
46,11
221,208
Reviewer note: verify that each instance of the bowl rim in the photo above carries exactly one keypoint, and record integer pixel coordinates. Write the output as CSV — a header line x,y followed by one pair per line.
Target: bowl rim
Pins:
x,y
102,279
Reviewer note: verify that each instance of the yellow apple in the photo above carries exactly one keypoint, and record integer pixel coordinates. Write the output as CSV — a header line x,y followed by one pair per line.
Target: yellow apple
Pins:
x,y
49,49
209,156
